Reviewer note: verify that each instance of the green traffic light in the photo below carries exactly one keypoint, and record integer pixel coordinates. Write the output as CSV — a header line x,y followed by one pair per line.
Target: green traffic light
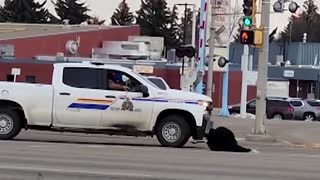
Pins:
x,y
247,21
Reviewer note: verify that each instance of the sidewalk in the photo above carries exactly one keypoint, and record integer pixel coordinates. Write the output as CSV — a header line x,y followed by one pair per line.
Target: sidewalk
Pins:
x,y
296,133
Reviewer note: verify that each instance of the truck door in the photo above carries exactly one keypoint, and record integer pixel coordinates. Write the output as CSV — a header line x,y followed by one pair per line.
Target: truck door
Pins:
x,y
79,99
129,109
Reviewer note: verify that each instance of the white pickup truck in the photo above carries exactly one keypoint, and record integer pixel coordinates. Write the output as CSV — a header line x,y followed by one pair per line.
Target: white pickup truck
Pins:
x,y
81,99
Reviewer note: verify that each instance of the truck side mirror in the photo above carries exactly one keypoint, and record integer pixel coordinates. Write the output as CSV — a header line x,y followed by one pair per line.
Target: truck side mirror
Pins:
x,y
144,90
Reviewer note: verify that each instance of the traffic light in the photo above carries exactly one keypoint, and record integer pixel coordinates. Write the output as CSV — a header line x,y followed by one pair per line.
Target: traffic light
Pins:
x,y
248,11
247,21
278,6
251,37
247,37
247,7
220,64
183,51
293,7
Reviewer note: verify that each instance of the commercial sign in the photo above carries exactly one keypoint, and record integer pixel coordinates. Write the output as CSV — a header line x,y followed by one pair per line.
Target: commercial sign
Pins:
x,y
143,69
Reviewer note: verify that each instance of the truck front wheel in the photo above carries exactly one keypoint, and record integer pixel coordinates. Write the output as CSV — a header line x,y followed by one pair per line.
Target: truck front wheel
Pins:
x,y
173,131
10,124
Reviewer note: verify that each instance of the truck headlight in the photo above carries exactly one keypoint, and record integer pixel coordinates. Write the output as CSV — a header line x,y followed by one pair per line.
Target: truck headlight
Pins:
x,y
203,103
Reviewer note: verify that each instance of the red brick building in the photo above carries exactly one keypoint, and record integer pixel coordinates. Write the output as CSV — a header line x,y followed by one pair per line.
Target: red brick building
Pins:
x,y
30,40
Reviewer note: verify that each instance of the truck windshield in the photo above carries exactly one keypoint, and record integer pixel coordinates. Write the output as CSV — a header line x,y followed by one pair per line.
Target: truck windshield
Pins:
x,y
146,79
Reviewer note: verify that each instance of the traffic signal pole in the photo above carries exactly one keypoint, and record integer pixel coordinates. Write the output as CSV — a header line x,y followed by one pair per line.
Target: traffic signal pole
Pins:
x,y
248,21
244,85
262,71
224,111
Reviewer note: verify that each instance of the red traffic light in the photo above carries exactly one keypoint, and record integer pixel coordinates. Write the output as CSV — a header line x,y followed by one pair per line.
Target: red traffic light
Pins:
x,y
247,37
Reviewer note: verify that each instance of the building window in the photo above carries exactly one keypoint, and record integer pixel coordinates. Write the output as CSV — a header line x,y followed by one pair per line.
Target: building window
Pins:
x,y
10,77
31,79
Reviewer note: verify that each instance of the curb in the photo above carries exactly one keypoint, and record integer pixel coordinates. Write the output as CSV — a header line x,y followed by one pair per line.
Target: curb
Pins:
x,y
308,146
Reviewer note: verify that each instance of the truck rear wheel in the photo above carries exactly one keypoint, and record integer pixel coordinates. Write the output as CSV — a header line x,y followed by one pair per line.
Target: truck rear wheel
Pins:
x,y
10,124
173,131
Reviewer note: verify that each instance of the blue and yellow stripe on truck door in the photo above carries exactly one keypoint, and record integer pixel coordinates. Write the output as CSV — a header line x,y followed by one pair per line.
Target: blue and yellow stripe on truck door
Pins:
x,y
94,104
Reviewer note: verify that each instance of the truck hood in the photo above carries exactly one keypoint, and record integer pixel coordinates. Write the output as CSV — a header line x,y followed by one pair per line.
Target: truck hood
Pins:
x,y
183,95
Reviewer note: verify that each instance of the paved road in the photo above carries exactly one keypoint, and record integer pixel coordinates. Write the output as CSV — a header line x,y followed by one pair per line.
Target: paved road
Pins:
x,y
51,156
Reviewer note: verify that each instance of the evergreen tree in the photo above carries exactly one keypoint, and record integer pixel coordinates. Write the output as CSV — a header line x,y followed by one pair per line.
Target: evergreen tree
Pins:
x,y
174,29
272,34
72,10
26,11
1,14
95,21
122,16
308,22
285,35
155,19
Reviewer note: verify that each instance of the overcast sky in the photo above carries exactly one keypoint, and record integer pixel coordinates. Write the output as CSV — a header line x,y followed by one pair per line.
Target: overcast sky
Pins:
x,y
105,8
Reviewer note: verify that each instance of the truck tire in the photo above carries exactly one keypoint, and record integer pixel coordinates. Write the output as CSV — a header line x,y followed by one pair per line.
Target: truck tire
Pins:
x,y
10,124
173,131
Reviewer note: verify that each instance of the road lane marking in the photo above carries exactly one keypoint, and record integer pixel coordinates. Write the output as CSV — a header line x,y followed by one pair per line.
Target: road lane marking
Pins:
x,y
70,172
93,146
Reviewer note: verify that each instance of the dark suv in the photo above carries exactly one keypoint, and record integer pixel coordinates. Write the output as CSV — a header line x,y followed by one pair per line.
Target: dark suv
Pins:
x,y
276,109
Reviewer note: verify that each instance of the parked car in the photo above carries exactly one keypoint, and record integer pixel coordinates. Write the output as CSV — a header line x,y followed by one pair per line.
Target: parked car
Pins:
x,y
159,81
276,109
305,109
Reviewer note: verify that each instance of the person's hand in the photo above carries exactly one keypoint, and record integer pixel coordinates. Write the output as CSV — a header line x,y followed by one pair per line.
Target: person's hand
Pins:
x,y
126,88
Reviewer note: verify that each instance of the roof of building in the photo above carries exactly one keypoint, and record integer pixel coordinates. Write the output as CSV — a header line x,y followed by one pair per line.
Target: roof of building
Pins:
x,y
21,30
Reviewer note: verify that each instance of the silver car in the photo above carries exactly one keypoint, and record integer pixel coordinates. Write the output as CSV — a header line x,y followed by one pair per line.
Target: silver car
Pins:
x,y
305,109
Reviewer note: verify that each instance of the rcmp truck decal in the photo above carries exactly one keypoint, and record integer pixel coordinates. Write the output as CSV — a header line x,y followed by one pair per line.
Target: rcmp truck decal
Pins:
x,y
95,104
104,104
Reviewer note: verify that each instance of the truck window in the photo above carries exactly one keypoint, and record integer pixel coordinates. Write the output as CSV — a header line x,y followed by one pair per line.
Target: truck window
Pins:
x,y
120,81
78,77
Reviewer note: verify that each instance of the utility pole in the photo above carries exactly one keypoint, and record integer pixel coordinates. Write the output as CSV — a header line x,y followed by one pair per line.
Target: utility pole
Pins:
x,y
194,25
211,50
185,29
185,24
259,128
